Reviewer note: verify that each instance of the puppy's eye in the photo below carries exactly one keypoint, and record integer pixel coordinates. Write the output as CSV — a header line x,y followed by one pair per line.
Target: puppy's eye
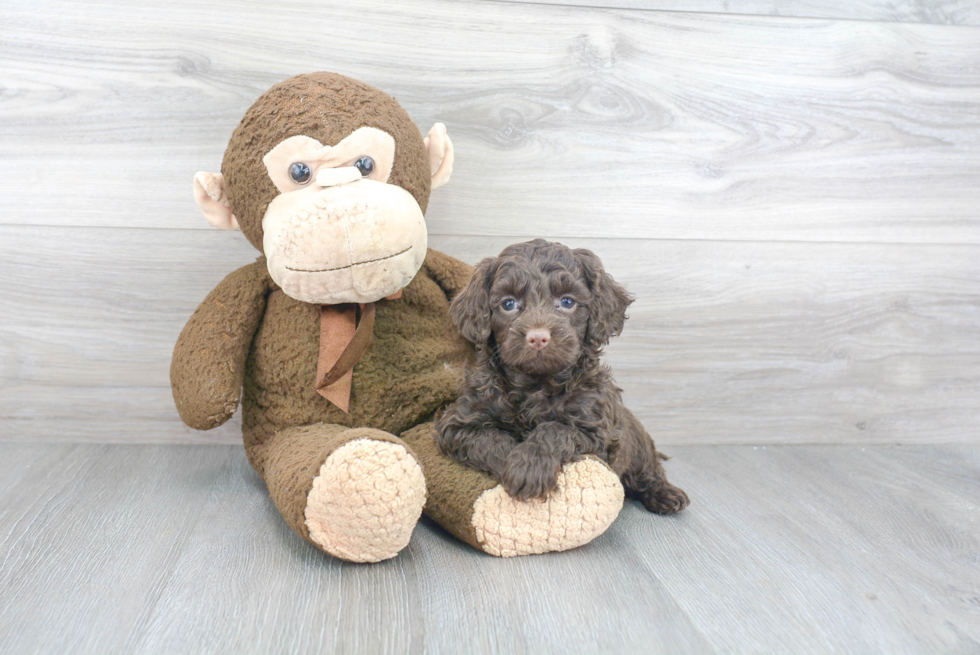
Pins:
x,y
300,173
567,303
365,165
508,304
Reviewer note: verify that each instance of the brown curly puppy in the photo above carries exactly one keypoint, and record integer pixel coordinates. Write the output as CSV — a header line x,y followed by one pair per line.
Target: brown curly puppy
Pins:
x,y
538,396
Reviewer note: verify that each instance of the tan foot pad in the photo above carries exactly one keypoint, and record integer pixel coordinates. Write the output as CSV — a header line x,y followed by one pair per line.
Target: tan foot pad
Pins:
x,y
366,501
588,499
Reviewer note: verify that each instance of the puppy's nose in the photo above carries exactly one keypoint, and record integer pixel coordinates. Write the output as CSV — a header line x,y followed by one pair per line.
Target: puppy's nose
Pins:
x,y
538,338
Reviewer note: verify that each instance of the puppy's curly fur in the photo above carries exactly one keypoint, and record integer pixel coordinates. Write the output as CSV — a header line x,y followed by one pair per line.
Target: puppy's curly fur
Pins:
x,y
537,396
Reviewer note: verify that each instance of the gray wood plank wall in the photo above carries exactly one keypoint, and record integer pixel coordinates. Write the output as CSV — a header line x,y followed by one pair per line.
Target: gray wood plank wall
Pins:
x,y
795,201
944,12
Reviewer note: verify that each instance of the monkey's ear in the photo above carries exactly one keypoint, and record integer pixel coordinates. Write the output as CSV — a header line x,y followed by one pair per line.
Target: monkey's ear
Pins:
x,y
470,309
211,197
440,150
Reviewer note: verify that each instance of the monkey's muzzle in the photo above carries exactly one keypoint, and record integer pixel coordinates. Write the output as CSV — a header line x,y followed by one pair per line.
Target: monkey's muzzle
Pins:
x,y
350,243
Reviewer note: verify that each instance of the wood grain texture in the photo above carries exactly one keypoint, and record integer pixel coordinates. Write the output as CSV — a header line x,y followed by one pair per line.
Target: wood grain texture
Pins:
x,y
176,549
440,596
942,12
837,543
727,342
606,124
89,538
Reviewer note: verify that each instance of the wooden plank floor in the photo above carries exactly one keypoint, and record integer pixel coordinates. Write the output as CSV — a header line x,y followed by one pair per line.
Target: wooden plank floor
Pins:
x,y
796,549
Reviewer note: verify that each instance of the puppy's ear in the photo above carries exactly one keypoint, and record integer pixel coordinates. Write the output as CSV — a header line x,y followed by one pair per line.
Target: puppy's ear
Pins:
x,y
470,309
607,306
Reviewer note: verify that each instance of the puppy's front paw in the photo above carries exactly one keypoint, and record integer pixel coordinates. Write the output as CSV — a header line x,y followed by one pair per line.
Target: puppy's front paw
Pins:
x,y
668,499
530,472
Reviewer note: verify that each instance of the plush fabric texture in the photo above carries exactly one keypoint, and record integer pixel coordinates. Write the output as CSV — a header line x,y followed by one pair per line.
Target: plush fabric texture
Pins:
x,y
248,335
452,496
380,146
412,368
476,509
293,458
326,107
586,502
209,193
365,501
208,365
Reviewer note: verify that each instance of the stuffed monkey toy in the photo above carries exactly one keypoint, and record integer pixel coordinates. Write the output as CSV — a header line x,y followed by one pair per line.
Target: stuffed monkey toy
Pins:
x,y
337,340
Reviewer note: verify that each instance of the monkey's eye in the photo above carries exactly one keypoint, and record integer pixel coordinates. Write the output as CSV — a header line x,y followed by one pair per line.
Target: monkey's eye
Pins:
x,y
567,303
365,165
508,304
300,173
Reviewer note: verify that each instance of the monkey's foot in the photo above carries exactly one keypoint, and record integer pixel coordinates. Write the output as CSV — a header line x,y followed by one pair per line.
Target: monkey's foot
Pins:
x,y
588,499
365,501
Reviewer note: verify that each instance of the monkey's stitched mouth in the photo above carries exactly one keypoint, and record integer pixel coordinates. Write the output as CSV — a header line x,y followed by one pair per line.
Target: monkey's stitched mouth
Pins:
x,y
340,268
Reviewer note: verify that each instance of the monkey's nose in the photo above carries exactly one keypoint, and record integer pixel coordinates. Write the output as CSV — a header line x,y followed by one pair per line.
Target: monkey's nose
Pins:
x,y
336,176
538,338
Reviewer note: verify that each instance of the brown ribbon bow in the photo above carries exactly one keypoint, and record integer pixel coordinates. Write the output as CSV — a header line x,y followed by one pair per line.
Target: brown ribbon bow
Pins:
x,y
345,334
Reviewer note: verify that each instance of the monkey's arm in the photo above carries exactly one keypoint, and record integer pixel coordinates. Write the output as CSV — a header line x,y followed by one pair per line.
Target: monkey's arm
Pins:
x,y
209,359
449,273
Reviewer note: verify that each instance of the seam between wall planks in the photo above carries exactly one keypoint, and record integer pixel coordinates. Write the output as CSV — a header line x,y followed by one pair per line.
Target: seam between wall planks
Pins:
x,y
549,237
695,12
665,444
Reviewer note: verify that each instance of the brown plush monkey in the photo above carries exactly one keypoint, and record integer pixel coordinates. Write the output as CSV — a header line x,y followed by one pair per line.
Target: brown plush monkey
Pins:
x,y
337,341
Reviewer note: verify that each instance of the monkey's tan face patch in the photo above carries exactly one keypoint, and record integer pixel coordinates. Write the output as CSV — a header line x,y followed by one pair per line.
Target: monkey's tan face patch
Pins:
x,y
357,242
303,150
338,233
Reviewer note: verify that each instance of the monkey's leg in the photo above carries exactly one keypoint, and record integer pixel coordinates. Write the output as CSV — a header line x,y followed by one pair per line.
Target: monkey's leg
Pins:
x,y
354,493
476,508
